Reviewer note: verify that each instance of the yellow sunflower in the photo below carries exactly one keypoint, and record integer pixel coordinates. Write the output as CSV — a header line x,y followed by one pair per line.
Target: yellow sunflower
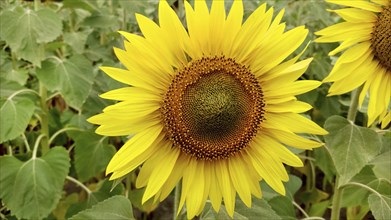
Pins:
x,y
211,106
366,34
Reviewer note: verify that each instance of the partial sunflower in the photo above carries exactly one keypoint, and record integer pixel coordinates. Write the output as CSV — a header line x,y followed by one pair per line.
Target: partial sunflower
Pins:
x,y
366,34
210,106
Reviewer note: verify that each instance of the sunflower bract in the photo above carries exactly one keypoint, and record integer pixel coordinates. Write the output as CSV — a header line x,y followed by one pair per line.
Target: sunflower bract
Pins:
x,y
212,105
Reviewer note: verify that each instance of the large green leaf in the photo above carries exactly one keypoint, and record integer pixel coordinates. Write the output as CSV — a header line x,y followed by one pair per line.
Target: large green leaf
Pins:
x,y
16,112
324,162
116,207
72,77
260,210
25,30
380,206
77,40
382,165
351,147
92,154
32,189
356,196
103,192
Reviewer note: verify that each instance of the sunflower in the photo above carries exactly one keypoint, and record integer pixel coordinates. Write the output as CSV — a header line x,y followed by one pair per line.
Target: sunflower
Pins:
x,y
211,106
366,34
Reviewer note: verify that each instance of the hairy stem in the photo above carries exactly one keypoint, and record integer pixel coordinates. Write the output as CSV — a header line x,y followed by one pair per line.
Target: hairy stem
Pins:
x,y
44,119
336,201
354,104
77,182
176,200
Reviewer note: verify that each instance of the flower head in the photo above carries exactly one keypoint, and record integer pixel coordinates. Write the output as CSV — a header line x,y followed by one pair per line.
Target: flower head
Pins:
x,y
211,106
366,36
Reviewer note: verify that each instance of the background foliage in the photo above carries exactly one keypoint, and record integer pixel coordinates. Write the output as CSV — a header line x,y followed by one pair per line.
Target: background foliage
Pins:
x,y
52,164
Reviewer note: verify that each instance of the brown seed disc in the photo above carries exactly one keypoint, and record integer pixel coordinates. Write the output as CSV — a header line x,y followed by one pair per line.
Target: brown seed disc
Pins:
x,y
381,38
213,108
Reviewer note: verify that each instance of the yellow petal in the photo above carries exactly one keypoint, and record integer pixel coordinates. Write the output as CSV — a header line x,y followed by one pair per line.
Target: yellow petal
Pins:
x,y
278,150
127,77
189,176
174,177
356,15
350,59
217,22
291,106
170,22
215,190
357,4
133,148
162,170
293,140
266,171
194,200
292,122
240,180
232,26
131,93
295,88
226,186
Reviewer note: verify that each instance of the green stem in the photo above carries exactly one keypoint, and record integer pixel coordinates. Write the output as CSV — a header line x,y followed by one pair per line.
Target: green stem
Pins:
x,y
44,119
61,131
354,104
128,185
36,4
77,182
9,150
364,187
336,200
14,65
177,198
26,143
300,209
35,149
124,19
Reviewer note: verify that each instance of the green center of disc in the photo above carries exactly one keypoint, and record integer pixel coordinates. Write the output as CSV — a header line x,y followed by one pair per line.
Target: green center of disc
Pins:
x,y
381,38
215,106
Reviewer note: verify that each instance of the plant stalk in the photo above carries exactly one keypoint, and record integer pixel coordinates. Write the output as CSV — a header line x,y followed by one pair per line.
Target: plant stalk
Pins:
x,y
177,197
44,119
336,201
354,104
335,212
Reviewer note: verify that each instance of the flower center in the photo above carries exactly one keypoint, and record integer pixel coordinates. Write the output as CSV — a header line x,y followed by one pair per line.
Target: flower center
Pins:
x,y
213,108
381,38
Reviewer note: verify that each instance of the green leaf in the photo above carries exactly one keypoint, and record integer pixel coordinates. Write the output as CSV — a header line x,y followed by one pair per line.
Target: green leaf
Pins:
x,y
136,196
77,40
25,30
283,207
16,112
101,20
324,162
292,186
357,196
92,154
32,189
73,78
260,209
89,5
382,165
8,73
319,208
104,191
380,206
116,207
351,147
